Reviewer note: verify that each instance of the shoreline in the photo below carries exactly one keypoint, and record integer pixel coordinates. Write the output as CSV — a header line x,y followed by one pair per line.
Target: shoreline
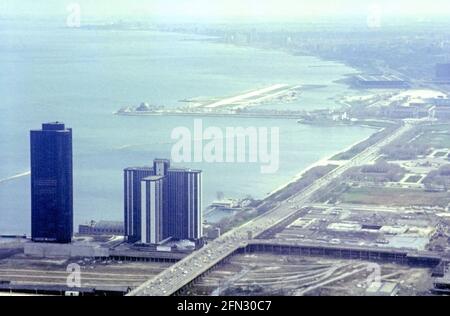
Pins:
x,y
343,81
322,162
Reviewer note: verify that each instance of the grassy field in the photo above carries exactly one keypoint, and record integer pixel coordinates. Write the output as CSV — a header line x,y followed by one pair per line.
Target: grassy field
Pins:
x,y
418,142
395,197
436,136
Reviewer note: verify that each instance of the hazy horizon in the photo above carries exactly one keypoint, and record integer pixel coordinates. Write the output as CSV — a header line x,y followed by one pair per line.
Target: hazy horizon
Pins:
x,y
230,9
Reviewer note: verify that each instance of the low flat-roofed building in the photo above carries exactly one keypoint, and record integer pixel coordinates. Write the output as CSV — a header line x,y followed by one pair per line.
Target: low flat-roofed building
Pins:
x,y
381,81
73,250
102,228
226,204
404,112
345,227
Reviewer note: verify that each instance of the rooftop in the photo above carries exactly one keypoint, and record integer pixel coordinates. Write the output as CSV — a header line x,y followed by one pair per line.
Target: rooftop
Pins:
x,y
153,178
109,224
146,168
184,170
379,78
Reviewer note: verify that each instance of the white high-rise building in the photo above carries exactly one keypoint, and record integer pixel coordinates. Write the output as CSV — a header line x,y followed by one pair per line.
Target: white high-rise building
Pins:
x,y
152,209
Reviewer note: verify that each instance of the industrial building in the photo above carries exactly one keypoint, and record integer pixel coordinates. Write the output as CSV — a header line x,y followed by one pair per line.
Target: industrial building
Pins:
x,y
102,228
51,183
162,203
380,82
417,111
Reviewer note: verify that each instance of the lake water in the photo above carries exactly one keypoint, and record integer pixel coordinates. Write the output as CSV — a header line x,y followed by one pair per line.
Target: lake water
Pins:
x,y
81,77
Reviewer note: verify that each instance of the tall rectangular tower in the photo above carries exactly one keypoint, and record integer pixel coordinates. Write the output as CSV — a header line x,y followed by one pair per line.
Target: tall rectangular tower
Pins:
x,y
132,200
51,184
184,210
152,199
162,203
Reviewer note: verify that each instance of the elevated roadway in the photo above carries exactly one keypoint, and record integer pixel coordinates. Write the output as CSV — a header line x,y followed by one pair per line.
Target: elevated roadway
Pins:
x,y
171,280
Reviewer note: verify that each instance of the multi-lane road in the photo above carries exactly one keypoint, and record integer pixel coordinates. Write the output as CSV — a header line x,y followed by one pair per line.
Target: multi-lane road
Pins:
x,y
193,266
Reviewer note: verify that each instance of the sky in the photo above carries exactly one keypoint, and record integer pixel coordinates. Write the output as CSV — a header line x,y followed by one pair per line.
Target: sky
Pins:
x,y
211,9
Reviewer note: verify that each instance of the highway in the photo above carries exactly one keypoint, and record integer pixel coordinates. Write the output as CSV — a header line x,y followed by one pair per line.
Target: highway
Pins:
x,y
191,267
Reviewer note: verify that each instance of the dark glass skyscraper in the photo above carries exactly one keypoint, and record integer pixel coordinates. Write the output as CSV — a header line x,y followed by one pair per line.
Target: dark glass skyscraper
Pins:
x,y
51,184
184,204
